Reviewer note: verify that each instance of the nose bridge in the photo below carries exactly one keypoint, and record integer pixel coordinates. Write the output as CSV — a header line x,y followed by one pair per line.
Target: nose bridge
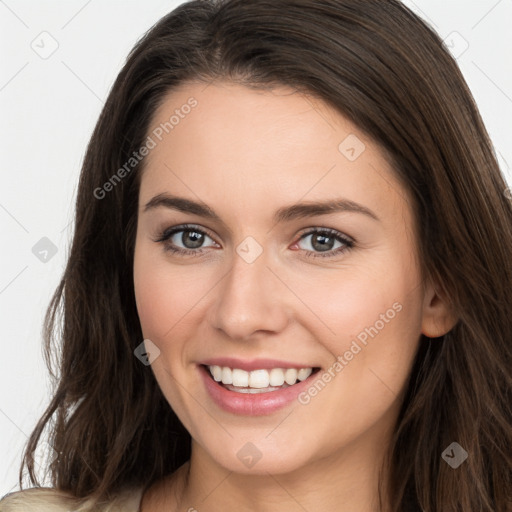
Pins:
x,y
250,298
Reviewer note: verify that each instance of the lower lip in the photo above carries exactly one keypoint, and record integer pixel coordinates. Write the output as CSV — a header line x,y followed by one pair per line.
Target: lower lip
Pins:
x,y
247,404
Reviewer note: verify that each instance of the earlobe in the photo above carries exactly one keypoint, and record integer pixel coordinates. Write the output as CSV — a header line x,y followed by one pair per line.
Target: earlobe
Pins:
x,y
438,314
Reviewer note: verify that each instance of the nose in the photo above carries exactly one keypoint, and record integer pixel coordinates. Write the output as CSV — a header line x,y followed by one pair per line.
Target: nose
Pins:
x,y
250,299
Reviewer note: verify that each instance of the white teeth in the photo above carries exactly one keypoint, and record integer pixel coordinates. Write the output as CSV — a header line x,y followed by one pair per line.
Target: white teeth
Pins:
x,y
290,376
276,377
240,378
227,377
304,373
259,379
216,371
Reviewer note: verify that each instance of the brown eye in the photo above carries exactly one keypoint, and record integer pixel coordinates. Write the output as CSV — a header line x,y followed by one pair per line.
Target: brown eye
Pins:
x,y
324,240
194,238
191,239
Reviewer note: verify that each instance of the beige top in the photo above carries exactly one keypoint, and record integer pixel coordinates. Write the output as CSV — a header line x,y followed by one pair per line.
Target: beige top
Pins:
x,y
45,499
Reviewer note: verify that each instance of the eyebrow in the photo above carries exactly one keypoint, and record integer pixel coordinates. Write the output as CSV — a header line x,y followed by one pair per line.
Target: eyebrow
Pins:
x,y
287,213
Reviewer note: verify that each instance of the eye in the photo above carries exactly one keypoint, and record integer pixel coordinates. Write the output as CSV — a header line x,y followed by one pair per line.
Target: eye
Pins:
x,y
191,237
323,240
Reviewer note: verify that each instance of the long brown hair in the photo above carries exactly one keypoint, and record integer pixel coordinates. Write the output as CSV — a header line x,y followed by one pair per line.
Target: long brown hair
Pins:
x,y
384,69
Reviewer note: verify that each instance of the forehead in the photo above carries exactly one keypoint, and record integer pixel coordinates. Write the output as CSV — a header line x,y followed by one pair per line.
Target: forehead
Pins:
x,y
264,124
261,148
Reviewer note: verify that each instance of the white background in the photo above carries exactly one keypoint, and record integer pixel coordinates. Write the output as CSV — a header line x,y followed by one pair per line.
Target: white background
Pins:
x,y
48,111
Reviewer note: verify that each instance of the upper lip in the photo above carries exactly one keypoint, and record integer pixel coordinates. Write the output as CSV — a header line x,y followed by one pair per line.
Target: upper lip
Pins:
x,y
253,364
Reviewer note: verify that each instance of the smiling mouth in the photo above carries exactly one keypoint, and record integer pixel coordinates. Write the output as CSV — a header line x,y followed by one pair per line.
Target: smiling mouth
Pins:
x,y
258,381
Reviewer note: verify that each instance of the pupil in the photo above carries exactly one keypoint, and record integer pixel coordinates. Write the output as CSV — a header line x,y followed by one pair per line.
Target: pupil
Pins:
x,y
195,237
322,246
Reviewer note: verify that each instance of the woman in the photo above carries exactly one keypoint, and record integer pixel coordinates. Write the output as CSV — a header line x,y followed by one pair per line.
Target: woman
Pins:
x,y
290,282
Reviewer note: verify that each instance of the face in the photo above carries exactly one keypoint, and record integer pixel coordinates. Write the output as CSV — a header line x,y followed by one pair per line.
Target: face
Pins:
x,y
243,280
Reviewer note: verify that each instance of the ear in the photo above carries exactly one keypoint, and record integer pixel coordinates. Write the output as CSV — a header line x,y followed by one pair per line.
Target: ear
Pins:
x,y
438,314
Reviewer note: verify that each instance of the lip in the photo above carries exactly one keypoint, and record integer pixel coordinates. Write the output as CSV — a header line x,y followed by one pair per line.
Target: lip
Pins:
x,y
254,364
246,404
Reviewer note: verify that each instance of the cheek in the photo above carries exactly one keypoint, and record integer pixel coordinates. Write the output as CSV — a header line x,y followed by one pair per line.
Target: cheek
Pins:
x,y
342,304
376,326
149,298
154,293
371,318
170,301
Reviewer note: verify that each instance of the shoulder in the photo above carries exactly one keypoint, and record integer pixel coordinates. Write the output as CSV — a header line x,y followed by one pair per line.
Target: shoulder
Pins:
x,y
45,499
37,498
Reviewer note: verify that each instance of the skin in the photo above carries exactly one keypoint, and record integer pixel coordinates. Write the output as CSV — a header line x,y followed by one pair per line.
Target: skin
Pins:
x,y
246,153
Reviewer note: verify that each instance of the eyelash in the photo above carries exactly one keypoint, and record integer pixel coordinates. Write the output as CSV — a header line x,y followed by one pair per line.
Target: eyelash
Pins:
x,y
168,233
